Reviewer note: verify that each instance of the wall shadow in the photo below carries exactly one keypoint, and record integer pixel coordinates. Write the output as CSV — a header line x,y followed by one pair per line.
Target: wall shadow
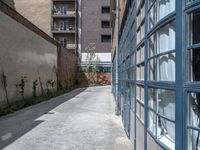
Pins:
x,y
13,126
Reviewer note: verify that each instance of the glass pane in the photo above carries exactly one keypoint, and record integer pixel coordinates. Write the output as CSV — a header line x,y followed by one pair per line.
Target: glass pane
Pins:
x,y
152,69
162,101
166,67
142,72
163,68
166,38
152,122
194,109
159,10
166,103
152,45
152,99
194,65
166,132
138,92
193,140
194,30
138,109
163,40
138,72
132,96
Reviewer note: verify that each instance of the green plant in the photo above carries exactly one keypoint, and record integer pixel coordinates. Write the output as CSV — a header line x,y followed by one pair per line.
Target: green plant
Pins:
x,y
34,88
21,86
4,83
50,83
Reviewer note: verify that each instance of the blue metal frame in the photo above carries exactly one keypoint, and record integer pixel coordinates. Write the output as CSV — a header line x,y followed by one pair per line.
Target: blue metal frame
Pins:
x,y
127,69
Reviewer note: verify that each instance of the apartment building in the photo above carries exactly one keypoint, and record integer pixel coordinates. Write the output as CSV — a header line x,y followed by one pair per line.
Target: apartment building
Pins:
x,y
95,25
57,18
158,73
64,23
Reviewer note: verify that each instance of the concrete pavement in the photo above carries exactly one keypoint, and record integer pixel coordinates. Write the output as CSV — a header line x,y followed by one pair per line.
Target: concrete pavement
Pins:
x,y
83,119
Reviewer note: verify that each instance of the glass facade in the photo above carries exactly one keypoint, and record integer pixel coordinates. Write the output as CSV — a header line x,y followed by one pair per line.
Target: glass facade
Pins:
x,y
159,74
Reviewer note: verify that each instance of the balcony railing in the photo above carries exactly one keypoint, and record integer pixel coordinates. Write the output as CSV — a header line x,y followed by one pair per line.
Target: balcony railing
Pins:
x,y
64,14
67,45
63,29
71,46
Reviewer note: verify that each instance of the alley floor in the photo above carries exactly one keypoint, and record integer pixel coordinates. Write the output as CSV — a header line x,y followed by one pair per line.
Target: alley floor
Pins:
x,y
83,119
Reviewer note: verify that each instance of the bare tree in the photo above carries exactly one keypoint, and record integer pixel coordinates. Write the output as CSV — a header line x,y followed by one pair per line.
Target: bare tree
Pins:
x,y
92,63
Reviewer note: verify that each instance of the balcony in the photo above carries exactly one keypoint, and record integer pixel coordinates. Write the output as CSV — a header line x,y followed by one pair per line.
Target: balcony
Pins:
x,y
67,45
64,29
64,14
71,46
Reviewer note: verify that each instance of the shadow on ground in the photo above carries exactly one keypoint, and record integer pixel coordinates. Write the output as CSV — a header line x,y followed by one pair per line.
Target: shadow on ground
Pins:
x,y
15,125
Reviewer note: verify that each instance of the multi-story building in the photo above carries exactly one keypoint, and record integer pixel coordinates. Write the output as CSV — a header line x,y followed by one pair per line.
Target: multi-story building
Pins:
x,y
158,73
73,23
57,18
64,22
95,25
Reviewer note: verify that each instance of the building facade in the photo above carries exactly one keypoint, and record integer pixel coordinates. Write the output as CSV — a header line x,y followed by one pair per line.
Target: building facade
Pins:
x,y
158,60
64,28
95,25
57,18
73,23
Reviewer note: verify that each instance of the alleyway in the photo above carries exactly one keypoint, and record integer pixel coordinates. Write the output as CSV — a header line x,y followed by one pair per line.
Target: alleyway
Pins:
x,y
83,119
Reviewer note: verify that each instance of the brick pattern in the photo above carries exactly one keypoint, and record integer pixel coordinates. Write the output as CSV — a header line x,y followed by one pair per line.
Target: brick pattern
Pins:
x,y
91,24
67,66
87,79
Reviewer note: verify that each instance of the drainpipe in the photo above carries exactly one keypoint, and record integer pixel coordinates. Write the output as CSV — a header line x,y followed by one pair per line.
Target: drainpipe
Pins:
x,y
116,55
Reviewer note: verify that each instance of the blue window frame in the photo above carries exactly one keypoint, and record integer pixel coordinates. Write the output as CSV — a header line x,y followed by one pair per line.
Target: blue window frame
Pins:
x,y
159,59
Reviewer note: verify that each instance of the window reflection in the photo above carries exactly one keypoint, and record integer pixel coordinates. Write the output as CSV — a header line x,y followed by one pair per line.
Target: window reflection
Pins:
x,y
159,9
194,120
163,103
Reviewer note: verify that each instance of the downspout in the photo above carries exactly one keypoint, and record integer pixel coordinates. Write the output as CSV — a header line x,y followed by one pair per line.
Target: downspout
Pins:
x,y
116,55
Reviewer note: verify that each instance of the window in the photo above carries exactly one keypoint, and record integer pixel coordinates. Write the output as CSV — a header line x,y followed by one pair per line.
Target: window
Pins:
x,y
140,63
140,102
105,9
105,38
161,47
194,30
140,24
194,38
158,10
193,118
161,115
63,41
105,24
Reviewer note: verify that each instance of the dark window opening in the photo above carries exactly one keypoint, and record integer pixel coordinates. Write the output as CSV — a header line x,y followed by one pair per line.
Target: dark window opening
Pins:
x,y
105,24
194,27
105,38
105,9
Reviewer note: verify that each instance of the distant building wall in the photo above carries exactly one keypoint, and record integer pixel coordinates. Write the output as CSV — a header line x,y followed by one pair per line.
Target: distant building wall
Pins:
x,y
91,24
87,79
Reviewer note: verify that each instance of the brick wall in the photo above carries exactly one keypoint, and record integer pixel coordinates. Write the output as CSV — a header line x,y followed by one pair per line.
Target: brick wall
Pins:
x,y
87,79
91,24
67,66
